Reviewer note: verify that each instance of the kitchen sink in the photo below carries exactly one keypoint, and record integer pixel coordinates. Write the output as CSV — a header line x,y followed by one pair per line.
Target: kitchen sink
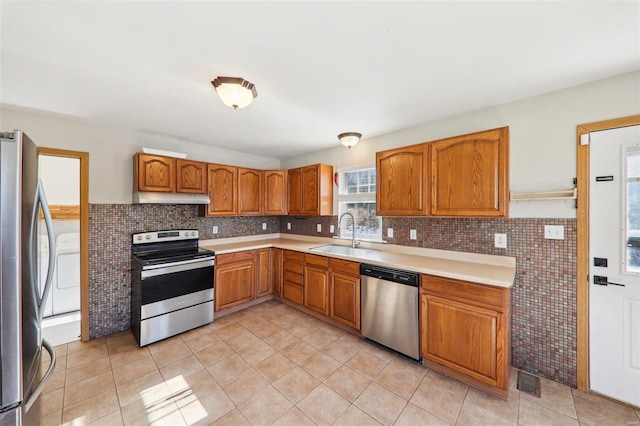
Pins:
x,y
345,250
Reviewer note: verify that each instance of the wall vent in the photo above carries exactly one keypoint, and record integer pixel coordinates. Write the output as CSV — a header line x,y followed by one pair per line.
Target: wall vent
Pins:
x,y
529,383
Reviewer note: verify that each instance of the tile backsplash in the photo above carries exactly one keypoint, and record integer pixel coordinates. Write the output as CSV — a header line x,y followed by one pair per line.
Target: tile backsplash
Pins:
x,y
543,319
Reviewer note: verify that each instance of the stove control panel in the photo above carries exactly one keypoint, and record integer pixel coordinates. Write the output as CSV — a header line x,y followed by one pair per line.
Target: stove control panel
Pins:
x,y
160,236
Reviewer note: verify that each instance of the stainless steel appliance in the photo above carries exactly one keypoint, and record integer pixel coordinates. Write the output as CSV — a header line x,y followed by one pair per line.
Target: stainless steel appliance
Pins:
x,y
171,284
389,305
21,303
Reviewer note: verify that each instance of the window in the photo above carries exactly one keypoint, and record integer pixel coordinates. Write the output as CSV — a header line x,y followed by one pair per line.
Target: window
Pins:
x,y
357,195
632,239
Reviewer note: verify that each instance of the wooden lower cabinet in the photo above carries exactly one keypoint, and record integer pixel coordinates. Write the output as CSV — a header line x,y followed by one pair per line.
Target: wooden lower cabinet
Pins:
x,y
292,286
465,332
345,299
316,289
264,281
344,292
234,283
276,271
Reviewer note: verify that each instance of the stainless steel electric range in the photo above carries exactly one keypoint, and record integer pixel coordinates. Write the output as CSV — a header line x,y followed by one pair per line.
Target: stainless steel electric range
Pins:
x,y
172,283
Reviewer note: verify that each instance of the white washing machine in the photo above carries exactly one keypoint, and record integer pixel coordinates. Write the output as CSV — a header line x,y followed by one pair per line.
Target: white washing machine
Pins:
x,y
66,285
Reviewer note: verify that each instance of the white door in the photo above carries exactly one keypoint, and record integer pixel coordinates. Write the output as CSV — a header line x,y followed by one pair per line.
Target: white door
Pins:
x,y
614,246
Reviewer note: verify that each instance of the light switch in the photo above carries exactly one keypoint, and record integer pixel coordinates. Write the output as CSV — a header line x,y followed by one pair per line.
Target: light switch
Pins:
x,y
332,228
319,227
264,226
215,229
413,234
288,225
389,232
554,232
500,240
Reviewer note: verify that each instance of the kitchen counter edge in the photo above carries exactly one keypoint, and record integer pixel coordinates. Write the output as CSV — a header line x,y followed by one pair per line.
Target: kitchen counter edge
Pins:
x,y
499,275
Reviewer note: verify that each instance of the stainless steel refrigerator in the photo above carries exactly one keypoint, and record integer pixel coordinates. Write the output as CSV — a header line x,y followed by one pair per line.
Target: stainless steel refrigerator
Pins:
x,y
22,303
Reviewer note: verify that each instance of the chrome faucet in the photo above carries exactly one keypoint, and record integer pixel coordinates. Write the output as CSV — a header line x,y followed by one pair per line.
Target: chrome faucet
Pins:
x,y
354,242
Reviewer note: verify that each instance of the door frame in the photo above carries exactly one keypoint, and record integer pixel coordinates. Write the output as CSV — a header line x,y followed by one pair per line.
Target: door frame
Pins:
x,y
583,240
84,230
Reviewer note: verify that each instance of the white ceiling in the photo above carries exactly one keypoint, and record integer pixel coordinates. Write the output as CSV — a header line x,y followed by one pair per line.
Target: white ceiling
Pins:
x,y
320,68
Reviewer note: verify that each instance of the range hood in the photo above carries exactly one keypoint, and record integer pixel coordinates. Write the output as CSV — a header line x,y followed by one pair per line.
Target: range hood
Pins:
x,y
169,198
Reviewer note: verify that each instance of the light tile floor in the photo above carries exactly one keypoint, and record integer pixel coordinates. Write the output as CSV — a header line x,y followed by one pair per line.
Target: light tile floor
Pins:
x,y
272,364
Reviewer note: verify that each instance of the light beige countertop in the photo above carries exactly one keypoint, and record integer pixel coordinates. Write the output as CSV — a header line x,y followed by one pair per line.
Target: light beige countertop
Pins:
x,y
479,268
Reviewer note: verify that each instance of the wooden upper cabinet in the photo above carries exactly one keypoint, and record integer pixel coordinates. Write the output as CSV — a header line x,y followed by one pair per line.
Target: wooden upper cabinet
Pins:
x,y
223,190
275,192
401,181
311,190
249,191
154,173
191,176
469,174
294,179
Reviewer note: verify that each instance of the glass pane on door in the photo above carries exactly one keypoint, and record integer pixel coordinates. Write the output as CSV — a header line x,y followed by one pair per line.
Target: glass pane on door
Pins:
x,y
632,240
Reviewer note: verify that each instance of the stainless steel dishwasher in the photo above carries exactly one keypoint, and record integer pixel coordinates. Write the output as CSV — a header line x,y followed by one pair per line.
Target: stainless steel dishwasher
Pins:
x,y
390,302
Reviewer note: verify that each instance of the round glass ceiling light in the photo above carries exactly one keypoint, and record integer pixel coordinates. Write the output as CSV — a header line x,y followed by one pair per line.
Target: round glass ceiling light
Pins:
x,y
349,139
235,92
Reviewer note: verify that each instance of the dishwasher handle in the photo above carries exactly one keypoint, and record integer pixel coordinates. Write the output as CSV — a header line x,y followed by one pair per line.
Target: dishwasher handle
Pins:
x,y
389,274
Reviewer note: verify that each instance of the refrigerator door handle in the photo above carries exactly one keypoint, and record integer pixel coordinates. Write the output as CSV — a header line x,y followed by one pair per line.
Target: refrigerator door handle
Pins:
x,y
38,389
42,200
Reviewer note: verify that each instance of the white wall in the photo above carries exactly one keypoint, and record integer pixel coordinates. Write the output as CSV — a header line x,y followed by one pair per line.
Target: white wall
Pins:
x,y
111,153
542,137
61,179
542,150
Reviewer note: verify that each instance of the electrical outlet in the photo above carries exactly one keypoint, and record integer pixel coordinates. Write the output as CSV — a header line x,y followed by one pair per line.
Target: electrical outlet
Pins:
x,y
264,226
500,240
413,234
554,232
288,226
332,228
215,229
389,232
319,227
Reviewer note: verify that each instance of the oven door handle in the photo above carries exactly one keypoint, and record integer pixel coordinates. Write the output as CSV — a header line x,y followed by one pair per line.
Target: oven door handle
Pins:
x,y
169,268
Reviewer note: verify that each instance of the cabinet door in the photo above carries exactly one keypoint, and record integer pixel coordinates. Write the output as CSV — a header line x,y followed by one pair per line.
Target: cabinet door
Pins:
x,y
310,190
234,284
191,176
469,174
316,289
345,299
223,190
276,268
155,173
275,192
294,179
402,181
465,338
264,284
249,191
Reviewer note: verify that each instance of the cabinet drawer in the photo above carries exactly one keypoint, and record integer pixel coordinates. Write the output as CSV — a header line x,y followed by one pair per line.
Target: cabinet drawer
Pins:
x,y
344,266
292,292
239,256
294,256
293,277
312,259
294,267
466,292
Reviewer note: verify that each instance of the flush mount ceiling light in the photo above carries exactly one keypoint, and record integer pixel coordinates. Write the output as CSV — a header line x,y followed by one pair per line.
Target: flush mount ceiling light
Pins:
x,y
234,91
349,139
